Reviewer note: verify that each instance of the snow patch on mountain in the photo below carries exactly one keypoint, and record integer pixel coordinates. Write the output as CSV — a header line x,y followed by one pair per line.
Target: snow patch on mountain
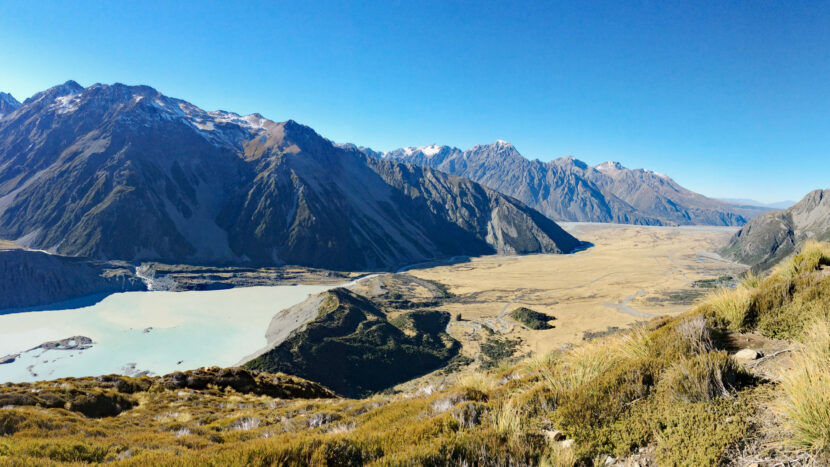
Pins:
x,y
67,104
609,166
430,150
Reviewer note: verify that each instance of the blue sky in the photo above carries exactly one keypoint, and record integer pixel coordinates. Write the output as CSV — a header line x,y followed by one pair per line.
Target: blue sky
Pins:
x,y
732,99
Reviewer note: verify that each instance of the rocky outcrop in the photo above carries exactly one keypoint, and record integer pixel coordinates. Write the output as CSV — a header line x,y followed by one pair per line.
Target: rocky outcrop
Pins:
x,y
8,104
245,382
124,172
770,237
567,189
352,348
32,278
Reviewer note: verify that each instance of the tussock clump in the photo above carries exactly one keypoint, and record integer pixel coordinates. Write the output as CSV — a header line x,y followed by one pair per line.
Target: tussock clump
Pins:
x,y
508,418
469,415
730,308
559,456
702,378
750,280
806,402
582,364
811,256
695,331
481,382
246,424
795,294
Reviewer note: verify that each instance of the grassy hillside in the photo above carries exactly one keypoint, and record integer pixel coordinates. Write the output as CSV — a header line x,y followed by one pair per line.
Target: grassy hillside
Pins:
x,y
668,393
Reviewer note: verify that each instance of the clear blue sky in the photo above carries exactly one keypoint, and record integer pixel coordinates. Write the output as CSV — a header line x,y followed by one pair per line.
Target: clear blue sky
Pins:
x,y
732,99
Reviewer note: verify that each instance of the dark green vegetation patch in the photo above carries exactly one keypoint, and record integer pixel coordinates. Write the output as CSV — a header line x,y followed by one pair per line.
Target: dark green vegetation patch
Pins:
x,y
497,349
353,349
715,283
532,319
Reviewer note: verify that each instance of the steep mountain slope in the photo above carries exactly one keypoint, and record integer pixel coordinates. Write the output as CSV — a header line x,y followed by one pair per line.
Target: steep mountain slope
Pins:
x,y
32,278
568,189
124,172
8,104
770,237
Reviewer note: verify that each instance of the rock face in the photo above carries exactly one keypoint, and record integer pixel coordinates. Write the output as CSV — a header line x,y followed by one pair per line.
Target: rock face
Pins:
x,y
124,172
32,278
770,237
567,189
8,104
352,348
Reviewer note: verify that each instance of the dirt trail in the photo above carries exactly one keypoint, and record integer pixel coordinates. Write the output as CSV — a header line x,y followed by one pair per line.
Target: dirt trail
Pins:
x,y
624,307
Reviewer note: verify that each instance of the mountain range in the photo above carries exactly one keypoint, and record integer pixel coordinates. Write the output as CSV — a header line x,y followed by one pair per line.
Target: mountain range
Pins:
x,y
751,202
124,172
772,236
567,189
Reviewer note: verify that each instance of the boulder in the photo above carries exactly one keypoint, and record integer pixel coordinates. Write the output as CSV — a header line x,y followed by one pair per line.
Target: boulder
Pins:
x,y
747,355
553,435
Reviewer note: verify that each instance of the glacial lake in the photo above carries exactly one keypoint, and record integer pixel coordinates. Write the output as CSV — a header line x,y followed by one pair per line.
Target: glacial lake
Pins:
x,y
156,332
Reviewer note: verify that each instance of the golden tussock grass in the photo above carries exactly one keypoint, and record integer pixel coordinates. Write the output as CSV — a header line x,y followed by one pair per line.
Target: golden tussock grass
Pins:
x,y
806,390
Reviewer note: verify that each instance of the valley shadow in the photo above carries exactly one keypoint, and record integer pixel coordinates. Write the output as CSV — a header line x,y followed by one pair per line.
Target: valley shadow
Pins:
x,y
433,263
582,247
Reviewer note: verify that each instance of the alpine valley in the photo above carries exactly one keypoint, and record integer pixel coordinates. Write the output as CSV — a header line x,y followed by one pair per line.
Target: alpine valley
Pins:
x,y
190,287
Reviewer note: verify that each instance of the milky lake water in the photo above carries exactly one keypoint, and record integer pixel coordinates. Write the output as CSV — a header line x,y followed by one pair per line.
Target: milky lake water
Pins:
x,y
157,332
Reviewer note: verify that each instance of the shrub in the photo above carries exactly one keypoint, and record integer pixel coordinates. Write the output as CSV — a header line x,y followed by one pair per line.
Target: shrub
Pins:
x,y
67,451
699,433
532,319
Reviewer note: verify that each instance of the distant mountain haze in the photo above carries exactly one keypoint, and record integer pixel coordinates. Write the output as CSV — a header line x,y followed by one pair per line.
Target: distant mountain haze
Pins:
x,y
124,172
567,189
751,202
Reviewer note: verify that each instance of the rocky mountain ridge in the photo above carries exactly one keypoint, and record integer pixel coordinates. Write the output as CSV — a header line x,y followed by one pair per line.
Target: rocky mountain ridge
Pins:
x,y
8,104
124,172
567,189
772,236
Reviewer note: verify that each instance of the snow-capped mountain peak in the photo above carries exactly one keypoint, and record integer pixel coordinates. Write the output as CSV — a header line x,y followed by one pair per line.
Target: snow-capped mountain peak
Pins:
x,y
609,166
430,150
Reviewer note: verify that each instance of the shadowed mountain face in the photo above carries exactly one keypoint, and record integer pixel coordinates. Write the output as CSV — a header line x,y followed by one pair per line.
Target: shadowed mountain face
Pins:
x,y
772,236
124,172
8,104
32,278
568,189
